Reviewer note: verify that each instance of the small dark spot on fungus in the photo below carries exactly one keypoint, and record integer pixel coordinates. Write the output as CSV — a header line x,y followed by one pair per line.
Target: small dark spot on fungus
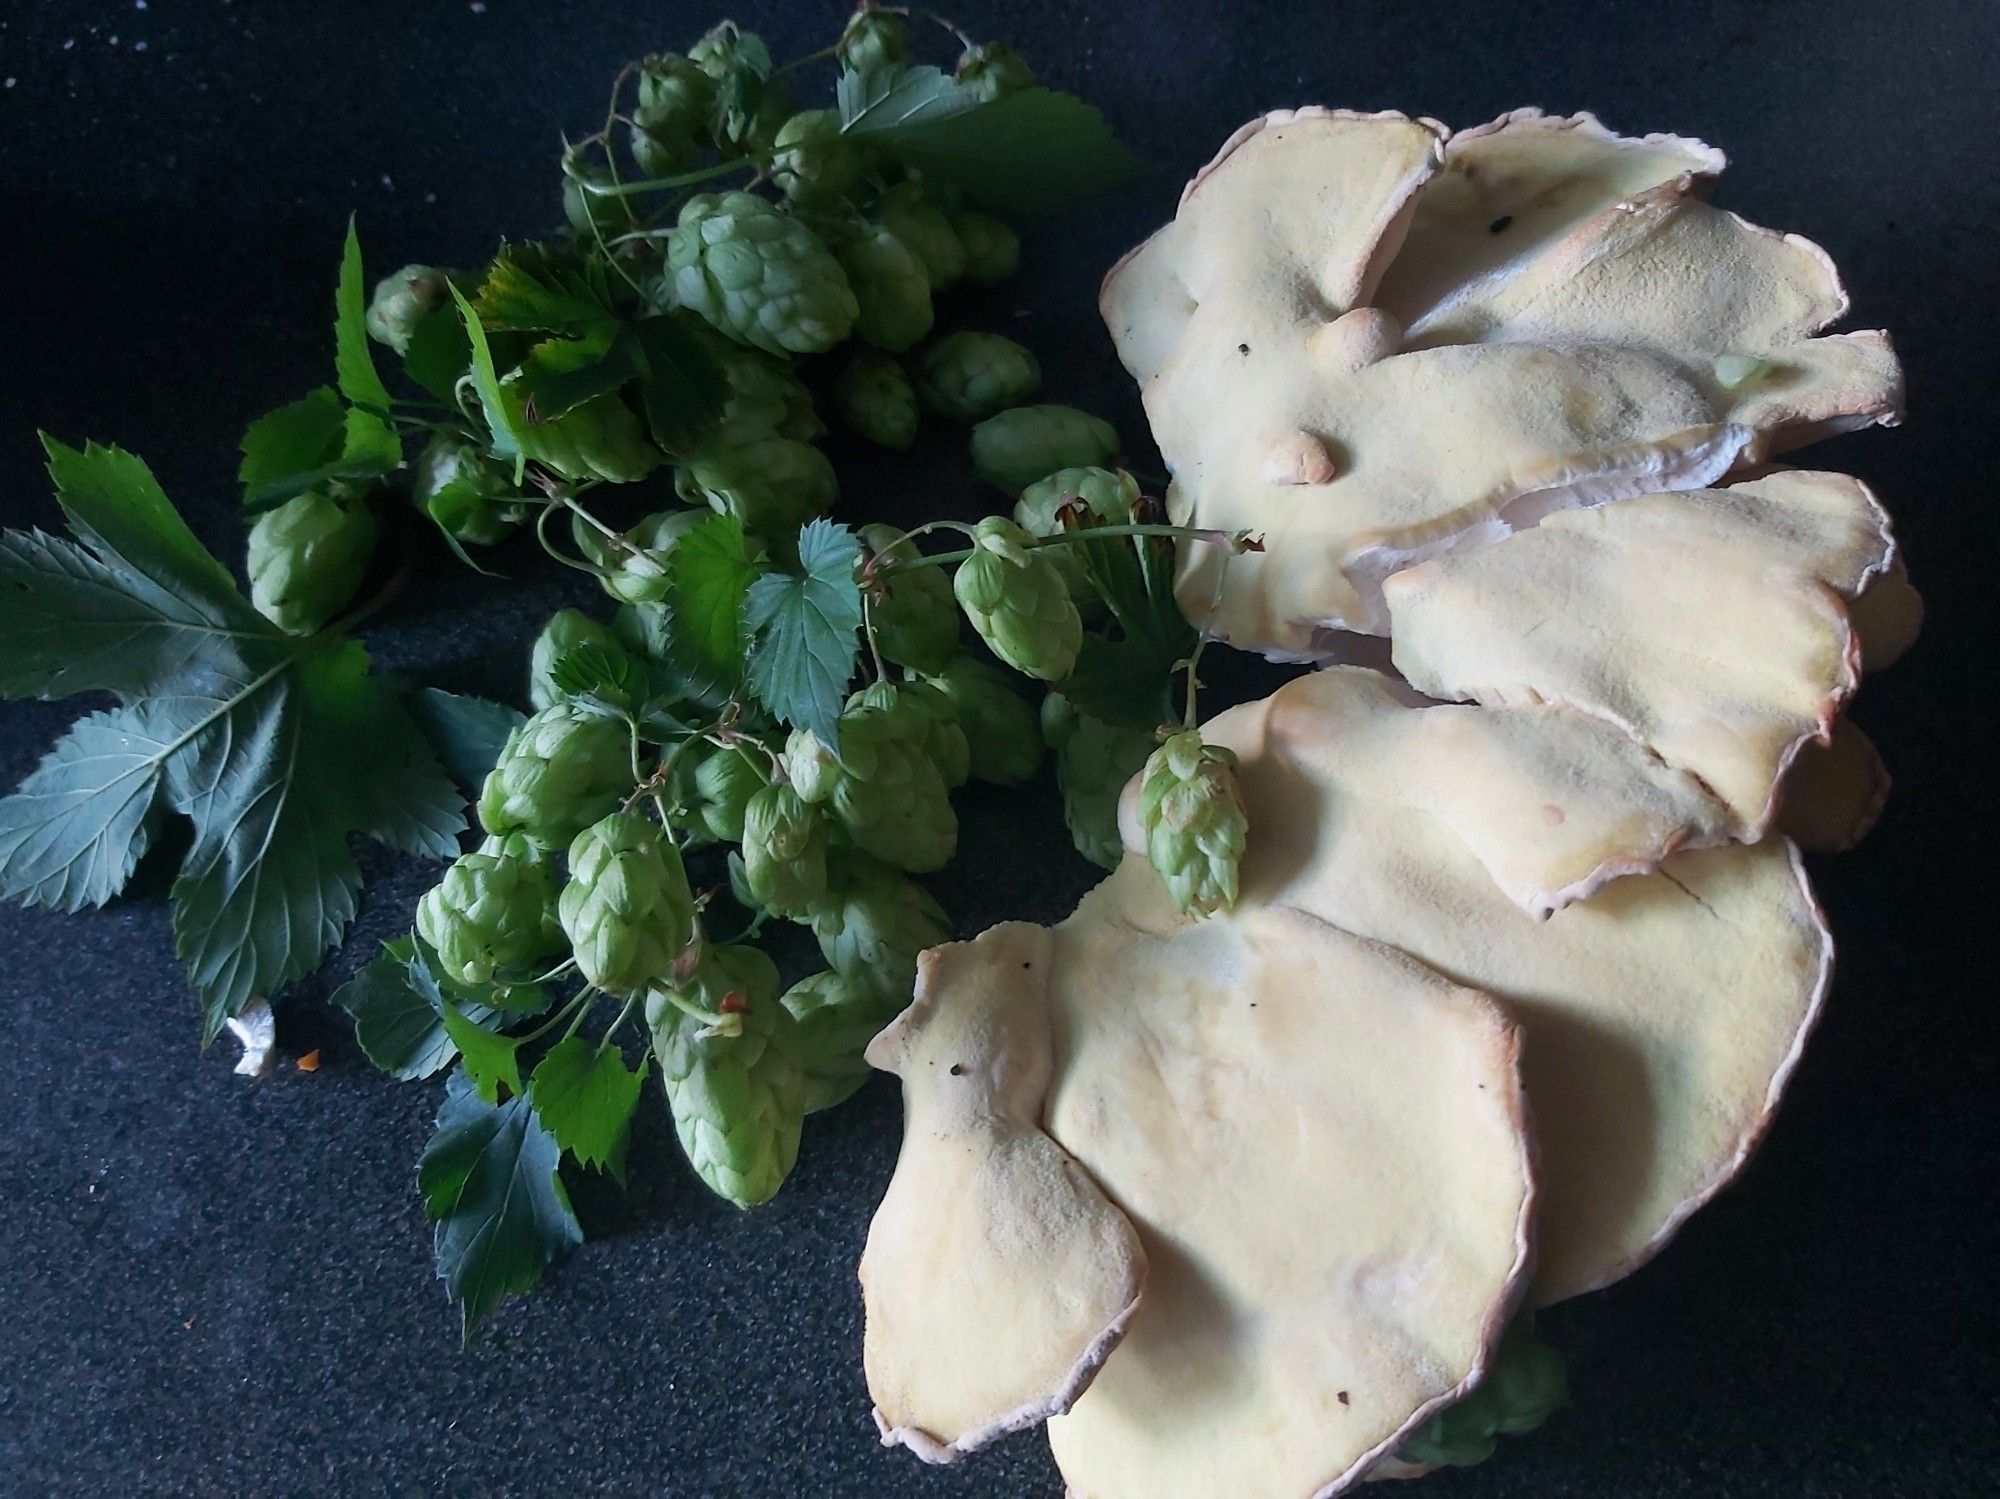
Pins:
x,y
1343,1398
1243,348
958,1069
1500,223
1027,965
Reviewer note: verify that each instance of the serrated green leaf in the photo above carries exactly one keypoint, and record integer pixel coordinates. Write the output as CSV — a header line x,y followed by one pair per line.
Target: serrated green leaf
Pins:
x,y
804,632
613,678
682,389
1024,152
489,1182
600,365
353,358
585,1094
505,440
397,1026
439,352
294,439
369,443
711,571
465,731
546,288
79,824
1123,682
491,1059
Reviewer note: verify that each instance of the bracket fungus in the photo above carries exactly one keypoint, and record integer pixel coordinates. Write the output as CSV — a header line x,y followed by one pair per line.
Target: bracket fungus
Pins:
x,y
1523,954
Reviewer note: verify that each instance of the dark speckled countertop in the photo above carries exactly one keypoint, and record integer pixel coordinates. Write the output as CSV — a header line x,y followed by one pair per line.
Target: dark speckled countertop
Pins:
x,y
216,1286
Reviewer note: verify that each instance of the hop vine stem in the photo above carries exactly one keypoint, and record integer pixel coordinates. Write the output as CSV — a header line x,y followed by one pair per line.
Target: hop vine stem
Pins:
x,y
1233,542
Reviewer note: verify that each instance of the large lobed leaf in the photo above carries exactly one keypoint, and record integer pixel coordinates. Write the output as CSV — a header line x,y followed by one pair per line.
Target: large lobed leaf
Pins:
x,y
803,627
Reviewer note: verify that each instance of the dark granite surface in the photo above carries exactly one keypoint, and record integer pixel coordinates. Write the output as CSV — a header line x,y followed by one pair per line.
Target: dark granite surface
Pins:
x,y
213,1286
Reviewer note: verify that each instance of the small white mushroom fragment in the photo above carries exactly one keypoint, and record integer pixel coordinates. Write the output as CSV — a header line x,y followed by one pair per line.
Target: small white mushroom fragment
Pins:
x,y
1834,792
997,1278
1887,616
1708,625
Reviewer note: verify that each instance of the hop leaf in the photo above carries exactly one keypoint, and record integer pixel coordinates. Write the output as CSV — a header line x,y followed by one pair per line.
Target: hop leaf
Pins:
x,y
492,915
1018,602
757,275
566,631
627,908
873,923
1003,739
1194,822
874,397
892,288
970,375
560,771
784,851
308,557
1014,449
914,614
600,438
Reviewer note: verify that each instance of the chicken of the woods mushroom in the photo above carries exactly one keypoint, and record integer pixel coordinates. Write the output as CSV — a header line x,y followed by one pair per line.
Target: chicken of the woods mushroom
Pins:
x,y
1523,952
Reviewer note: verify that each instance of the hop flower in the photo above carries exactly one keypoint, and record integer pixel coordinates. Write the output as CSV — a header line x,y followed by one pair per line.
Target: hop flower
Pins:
x,y
920,224
466,493
591,214
1003,740
992,250
723,783
930,719
1094,760
873,396
1194,821
873,39
1018,602
872,924
676,100
837,1018
882,786
971,375
400,302
770,483
784,851
567,630
601,439
1014,449
558,772
758,275
892,288
992,70
754,104
764,395
627,907
915,617
1109,494
738,1097
634,565
815,166
308,556
1525,1386
492,913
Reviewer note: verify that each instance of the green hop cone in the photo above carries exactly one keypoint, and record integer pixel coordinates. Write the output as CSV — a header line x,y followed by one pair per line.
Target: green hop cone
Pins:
x,y
1014,449
559,772
914,614
738,1097
472,498
567,630
871,925
836,1020
1094,761
931,719
992,70
815,166
675,102
602,439
400,302
753,105
873,39
919,223
874,397
1018,602
758,275
493,913
1003,739
627,908
1525,1385
882,786
1109,495
307,557
784,852
723,783
992,249
1194,822
892,289
772,484
764,395
590,214
635,563
969,376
